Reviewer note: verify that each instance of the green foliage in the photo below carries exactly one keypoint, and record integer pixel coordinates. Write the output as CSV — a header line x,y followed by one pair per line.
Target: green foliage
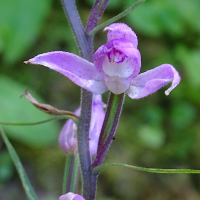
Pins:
x,y
22,174
6,166
16,109
190,61
173,17
151,136
20,23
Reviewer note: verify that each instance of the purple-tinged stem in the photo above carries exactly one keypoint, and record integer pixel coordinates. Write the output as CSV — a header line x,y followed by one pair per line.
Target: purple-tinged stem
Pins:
x,y
96,13
112,116
84,43
86,51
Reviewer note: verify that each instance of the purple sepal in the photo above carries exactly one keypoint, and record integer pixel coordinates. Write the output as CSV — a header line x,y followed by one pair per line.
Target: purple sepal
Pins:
x,y
152,80
120,30
71,196
77,69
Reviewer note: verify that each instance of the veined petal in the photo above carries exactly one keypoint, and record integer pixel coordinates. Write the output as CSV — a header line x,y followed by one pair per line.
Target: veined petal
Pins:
x,y
120,30
127,49
77,69
152,80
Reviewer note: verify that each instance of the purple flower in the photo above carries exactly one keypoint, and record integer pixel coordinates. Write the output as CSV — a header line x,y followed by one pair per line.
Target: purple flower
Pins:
x,y
68,136
71,196
116,67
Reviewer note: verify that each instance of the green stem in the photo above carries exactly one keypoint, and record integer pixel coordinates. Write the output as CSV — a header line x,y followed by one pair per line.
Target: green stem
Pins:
x,y
115,18
113,112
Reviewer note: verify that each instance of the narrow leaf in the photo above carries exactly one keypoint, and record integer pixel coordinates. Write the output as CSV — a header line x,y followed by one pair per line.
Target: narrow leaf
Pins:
x,y
39,122
22,174
98,169
115,18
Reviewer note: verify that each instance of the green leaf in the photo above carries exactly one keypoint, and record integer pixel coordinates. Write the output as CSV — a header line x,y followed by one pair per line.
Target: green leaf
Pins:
x,y
98,169
20,23
117,17
22,174
6,166
156,18
20,110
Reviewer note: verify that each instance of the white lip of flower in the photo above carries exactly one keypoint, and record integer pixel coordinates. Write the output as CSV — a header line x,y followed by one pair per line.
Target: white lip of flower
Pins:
x,y
117,69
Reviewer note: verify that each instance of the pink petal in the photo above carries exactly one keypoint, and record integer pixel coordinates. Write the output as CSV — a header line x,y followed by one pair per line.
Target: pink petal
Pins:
x,y
77,69
124,47
71,196
118,76
120,30
97,118
117,85
152,80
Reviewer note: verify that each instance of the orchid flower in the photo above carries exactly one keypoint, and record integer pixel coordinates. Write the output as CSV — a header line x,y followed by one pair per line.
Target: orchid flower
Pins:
x,y
116,67
71,196
68,136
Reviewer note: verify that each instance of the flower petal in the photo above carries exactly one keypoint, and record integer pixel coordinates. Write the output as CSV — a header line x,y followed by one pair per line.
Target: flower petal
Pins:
x,y
120,30
152,80
123,46
97,118
77,69
118,75
71,196
116,84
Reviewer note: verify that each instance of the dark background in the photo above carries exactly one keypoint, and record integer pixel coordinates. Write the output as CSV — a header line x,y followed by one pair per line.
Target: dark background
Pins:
x,y
158,131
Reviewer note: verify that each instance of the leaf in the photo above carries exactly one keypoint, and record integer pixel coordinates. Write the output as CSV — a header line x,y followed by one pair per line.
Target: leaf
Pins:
x,y
20,23
22,174
6,166
98,169
156,18
19,110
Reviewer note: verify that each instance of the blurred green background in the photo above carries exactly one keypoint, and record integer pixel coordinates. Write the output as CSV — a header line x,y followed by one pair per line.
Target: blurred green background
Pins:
x,y
157,131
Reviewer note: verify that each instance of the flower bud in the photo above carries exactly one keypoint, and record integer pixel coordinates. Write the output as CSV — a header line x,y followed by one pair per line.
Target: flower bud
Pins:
x,y
68,136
